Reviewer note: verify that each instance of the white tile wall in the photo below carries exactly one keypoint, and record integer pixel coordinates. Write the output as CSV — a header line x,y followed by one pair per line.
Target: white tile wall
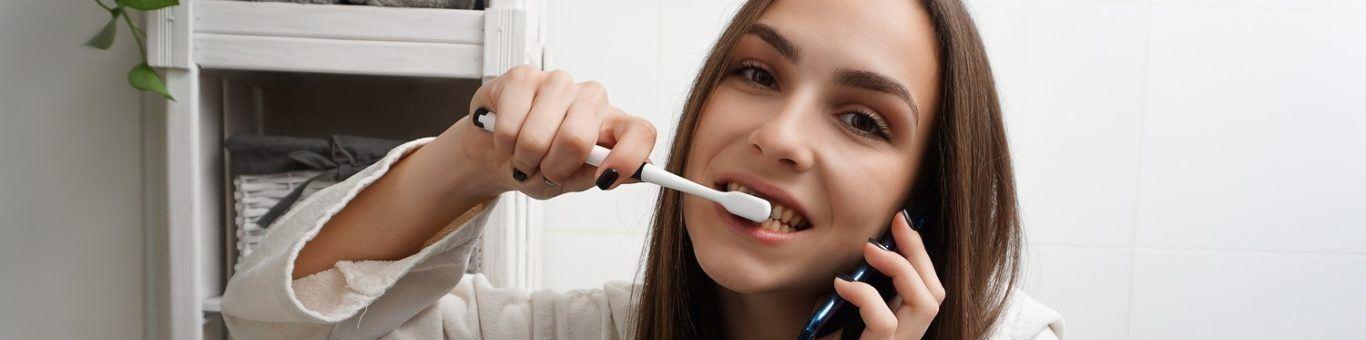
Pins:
x,y
688,28
1074,117
1188,169
1202,294
1249,142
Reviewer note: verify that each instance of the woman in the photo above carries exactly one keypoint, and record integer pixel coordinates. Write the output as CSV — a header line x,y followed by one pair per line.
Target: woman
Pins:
x,y
840,113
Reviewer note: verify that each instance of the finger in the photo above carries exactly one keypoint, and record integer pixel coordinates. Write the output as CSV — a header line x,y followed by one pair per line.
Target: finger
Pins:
x,y
609,141
580,180
917,306
877,316
634,140
512,100
542,122
577,135
912,246
483,96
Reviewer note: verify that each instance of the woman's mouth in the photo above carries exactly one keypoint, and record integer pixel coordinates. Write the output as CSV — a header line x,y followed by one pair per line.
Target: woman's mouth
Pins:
x,y
787,219
782,219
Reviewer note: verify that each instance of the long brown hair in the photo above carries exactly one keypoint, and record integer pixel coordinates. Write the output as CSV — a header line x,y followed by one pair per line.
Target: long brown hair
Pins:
x,y
966,190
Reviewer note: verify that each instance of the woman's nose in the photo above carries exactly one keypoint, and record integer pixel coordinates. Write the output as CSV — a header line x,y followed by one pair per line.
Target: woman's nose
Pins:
x,y
780,141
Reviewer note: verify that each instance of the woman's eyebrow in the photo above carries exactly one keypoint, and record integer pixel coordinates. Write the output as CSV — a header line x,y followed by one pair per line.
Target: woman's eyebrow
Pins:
x,y
845,76
874,81
780,43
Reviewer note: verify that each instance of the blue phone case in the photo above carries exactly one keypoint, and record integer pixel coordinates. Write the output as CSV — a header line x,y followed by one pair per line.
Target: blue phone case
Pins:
x,y
836,313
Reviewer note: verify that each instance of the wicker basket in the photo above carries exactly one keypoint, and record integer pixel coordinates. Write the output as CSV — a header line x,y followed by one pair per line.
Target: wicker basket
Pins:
x,y
253,195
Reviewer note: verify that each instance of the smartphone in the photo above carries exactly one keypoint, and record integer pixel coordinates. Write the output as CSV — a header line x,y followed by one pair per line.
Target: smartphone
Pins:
x,y
836,313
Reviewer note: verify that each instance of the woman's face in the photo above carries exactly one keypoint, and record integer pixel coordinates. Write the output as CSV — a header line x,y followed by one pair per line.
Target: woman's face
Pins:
x,y
825,111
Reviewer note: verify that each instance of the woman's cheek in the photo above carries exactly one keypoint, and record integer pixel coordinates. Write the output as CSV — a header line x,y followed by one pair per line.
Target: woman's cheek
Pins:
x,y
864,196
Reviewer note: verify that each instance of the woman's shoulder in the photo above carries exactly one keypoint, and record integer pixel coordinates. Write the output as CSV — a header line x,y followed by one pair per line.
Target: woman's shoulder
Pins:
x,y
1027,318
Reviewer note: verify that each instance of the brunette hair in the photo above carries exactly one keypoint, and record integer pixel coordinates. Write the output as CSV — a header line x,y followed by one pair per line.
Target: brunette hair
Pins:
x,y
966,191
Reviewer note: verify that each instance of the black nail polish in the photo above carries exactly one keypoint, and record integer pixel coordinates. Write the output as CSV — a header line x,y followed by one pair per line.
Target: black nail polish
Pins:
x,y
915,224
607,178
518,175
845,277
878,244
478,112
639,170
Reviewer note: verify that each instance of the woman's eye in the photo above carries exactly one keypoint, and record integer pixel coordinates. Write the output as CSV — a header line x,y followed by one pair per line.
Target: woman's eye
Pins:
x,y
865,124
759,76
756,75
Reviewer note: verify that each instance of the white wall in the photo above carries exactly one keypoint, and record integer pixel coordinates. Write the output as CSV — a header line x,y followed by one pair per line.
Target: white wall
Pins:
x,y
1188,169
70,177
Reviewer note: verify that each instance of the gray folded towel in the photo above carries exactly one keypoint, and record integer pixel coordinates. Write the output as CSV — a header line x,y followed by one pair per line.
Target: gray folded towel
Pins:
x,y
460,4
318,2
338,158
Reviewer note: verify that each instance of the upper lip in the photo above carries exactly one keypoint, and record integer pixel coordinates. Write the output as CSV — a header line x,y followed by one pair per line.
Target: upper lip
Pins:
x,y
771,192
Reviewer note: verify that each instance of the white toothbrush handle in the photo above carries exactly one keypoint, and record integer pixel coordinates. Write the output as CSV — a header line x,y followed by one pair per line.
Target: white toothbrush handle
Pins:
x,y
647,173
654,174
486,119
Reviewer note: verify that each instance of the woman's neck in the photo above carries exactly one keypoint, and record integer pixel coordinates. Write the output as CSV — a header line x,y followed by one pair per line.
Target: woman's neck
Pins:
x,y
765,315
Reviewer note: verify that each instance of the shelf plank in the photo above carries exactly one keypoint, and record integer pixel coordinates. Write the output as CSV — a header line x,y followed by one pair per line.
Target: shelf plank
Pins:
x,y
339,21
213,304
289,54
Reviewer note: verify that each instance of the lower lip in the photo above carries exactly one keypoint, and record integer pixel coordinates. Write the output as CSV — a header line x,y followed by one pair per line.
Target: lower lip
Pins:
x,y
751,229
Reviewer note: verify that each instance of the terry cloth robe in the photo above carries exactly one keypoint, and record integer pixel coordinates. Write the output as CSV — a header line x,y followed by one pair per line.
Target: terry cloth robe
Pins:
x,y
429,296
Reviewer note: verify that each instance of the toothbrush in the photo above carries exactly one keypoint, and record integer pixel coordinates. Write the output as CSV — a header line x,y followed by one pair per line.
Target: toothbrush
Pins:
x,y
738,203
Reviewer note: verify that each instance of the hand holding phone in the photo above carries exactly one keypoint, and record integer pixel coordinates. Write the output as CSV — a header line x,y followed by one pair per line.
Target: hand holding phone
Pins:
x,y
894,292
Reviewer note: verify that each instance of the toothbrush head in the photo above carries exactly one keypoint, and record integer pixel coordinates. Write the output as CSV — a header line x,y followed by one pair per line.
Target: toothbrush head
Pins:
x,y
747,206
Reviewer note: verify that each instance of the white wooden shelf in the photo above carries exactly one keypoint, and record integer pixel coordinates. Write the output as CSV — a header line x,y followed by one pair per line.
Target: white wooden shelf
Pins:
x,y
344,39
290,54
340,22
207,48
213,304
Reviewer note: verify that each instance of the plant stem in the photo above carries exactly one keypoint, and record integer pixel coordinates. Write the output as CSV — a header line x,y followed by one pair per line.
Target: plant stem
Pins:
x,y
138,36
101,3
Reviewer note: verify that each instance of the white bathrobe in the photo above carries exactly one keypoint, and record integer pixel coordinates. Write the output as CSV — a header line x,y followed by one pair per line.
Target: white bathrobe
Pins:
x,y
429,296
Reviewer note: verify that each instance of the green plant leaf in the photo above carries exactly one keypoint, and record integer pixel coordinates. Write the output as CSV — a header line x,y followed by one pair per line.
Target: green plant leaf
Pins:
x,y
147,5
144,78
105,37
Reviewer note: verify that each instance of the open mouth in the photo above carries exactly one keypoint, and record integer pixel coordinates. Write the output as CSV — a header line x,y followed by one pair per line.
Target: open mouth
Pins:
x,y
782,219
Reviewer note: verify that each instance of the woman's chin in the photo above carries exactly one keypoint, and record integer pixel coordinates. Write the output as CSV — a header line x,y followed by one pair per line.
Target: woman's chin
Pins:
x,y
746,282
744,274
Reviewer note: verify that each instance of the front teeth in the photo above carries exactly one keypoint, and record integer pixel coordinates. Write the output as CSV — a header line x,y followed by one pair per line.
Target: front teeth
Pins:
x,y
781,218
776,226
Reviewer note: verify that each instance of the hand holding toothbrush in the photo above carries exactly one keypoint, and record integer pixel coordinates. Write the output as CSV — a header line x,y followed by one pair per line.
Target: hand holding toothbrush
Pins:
x,y
548,126
556,131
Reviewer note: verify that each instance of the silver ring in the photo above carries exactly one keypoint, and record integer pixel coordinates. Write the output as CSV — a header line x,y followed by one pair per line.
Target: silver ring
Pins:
x,y
548,182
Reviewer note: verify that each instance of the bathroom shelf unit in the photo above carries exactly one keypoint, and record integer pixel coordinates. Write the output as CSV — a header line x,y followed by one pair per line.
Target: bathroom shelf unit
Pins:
x,y
278,68
339,39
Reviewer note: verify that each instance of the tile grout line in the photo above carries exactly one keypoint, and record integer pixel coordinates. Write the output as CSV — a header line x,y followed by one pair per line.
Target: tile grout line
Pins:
x,y
1138,173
